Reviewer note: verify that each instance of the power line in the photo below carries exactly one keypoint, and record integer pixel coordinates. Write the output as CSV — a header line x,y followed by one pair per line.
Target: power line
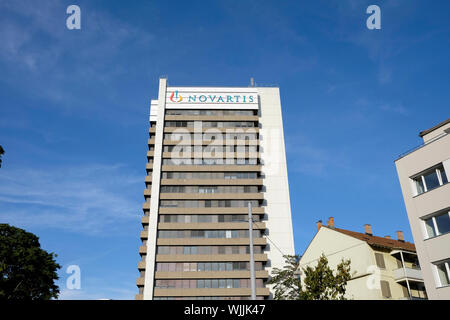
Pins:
x,y
303,264
268,238
333,253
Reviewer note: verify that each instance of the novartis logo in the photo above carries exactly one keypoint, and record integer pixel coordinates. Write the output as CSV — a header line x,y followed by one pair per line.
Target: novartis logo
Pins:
x,y
175,97
212,98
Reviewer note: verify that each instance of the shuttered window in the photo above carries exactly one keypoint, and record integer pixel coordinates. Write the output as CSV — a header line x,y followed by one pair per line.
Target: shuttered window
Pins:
x,y
380,260
405,292
385,289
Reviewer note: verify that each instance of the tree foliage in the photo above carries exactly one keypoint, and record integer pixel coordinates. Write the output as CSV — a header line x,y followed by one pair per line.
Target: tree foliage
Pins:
x,y
286,281
2,152
27,272
316,283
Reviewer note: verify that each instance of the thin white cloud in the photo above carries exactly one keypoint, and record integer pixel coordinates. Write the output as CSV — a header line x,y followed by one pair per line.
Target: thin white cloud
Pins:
x,y
84,199
42,50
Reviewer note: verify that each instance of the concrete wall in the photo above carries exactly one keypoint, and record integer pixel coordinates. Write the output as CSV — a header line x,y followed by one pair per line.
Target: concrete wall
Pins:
x,y
276,194
438,248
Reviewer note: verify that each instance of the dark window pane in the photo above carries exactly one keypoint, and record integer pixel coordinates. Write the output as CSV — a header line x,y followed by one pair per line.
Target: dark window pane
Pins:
x,y
443,223
431,180
444,176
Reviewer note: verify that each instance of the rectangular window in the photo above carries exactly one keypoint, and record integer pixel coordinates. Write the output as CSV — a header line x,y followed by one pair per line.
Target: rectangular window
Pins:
x,y
443,222
430,179
385,289
438,224
443,272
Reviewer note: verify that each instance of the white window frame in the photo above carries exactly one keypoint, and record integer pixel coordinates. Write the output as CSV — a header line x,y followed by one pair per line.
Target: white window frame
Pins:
x,y
436,273
436,228
422,177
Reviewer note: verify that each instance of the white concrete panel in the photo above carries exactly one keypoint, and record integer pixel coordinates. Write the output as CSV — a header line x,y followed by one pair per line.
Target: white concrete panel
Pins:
x,y
154,202
273,157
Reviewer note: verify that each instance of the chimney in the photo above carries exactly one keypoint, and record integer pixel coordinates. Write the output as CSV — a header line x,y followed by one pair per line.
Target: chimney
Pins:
x,y
331,222
368,229
400,236
319,225
388,237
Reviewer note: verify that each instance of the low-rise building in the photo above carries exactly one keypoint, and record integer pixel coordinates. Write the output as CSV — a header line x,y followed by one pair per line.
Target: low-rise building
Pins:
x,y
381,267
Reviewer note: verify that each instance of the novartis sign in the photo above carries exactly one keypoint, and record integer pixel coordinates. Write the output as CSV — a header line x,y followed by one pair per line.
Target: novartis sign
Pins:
x,y
212,98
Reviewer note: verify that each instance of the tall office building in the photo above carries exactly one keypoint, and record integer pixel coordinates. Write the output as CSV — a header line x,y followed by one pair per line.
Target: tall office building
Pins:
x,y
423,174
212,150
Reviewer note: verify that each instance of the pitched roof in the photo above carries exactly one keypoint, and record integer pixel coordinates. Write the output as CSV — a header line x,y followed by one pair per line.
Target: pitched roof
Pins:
x,y
378,241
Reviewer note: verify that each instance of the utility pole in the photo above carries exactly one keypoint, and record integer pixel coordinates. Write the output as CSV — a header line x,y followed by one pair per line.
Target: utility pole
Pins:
x,y
252,257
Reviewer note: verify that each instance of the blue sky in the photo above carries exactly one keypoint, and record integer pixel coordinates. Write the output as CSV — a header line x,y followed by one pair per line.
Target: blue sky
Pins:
x,y
74,111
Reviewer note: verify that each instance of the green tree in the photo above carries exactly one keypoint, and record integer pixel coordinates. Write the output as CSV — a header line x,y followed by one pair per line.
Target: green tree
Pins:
x,y
27,272
318,283
2,152
286,281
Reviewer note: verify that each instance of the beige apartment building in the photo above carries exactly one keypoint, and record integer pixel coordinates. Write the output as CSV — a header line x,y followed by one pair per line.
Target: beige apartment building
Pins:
x,y
423,174
382,268
213,150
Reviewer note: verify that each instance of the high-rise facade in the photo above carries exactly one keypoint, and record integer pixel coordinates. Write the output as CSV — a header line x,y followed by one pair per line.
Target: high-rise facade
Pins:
x,y
213,150
424,174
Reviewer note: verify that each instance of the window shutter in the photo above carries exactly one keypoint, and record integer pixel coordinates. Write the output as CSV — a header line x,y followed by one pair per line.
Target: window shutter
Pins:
x,y
380,260
385,289
405,292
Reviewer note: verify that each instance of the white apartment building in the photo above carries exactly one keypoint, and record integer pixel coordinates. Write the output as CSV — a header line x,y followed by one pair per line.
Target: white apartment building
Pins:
x,y
423,174
213,150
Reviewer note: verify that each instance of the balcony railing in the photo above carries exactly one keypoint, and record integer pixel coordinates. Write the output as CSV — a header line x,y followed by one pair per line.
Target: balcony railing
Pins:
x,y
423,144
410,273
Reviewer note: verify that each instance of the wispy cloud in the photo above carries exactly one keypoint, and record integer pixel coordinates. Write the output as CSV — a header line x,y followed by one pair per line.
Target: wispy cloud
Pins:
x,y
398,108
37,48
87,199
308,157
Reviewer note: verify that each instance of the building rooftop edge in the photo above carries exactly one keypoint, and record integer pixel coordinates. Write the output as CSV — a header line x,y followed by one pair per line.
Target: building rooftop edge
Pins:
x,y
443,123
376,240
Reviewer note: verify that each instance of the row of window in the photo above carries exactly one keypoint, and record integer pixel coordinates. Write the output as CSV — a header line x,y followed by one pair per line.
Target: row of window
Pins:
x,y
205,266
209,189
210,124
210,112
210,148
430,179
228,137
209,162
208,203
206,234
205,218
206,283
209,175
210,250
438,224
